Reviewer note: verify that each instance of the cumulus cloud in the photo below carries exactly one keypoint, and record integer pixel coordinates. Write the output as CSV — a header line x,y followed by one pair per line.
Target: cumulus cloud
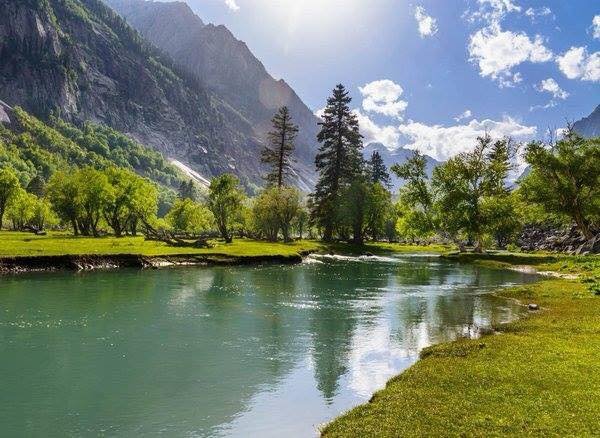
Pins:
x,y
496,52
596,27
438,141
551,86
577,63
387,135
427,24
232,4
465,115
441,142
383,97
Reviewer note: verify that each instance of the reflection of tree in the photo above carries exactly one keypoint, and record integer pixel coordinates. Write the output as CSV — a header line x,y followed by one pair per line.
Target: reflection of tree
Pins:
x,y
333,323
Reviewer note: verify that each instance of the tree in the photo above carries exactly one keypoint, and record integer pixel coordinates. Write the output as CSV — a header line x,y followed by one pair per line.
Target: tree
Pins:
x,y
187,190
416,213
225,201
37,186
63,192
9,188
279,155
465,181
94,194
378,209
21,209
379,172
339,160
265,215
133,199
288,208
355,208
503,221
191,217
565,179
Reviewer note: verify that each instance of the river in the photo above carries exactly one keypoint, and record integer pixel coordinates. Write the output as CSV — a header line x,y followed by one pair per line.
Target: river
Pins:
x,y
226,351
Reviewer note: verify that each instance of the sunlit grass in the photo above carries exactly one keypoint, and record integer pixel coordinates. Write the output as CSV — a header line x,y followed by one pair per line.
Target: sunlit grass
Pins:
x,y
15,244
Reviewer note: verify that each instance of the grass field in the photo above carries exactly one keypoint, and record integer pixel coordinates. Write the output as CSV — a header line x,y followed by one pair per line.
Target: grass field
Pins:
x,y
539,376
15,244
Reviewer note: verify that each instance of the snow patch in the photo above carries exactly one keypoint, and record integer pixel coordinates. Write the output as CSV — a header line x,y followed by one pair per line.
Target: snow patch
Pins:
x,y
191,173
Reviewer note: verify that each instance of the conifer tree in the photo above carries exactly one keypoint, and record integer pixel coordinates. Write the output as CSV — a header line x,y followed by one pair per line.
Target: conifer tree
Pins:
x,y
339,160
279,154
379,172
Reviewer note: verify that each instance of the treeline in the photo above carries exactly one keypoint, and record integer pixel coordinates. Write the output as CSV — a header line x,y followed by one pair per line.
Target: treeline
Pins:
x,y
111,187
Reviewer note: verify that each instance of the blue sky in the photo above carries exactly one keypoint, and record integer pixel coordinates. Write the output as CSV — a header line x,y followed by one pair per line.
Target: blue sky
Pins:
x,y
513,67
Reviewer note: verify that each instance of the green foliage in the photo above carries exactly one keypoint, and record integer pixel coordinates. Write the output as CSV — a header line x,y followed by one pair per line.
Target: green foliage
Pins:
x,y
279,155
9,189
565,179
225,201
378,171
465,182
190,217
275,210
339,162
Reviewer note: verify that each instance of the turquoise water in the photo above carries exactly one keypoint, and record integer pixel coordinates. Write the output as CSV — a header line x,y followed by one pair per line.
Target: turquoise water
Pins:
x,y
242,351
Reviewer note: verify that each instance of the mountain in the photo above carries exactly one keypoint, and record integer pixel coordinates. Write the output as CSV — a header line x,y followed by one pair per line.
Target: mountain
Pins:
x,y
397,156
225,65
589,127
79,60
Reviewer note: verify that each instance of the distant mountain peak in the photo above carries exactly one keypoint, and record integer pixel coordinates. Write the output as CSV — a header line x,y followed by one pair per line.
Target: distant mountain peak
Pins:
x,y
589,127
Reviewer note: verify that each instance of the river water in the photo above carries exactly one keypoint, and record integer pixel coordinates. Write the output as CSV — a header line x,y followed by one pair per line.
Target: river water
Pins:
x,y
226,351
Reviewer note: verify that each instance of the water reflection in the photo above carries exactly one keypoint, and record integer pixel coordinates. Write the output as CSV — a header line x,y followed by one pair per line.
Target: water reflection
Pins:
x,y
225,351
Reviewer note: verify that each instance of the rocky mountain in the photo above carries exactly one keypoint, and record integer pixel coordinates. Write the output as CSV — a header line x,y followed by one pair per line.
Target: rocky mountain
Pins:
x,y
396,156
79,60
225,65
589,127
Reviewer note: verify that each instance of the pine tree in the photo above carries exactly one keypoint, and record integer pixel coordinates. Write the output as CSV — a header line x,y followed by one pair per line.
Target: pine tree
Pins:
x,y
187,190
379,172
279,155
339,160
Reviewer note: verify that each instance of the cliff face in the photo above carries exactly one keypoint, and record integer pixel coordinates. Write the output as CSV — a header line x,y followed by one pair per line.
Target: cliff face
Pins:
x,y
589,127
79,60
224,65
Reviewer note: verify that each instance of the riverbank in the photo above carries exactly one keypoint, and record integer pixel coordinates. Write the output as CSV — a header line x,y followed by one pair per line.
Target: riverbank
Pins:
x,y
537,376
26,252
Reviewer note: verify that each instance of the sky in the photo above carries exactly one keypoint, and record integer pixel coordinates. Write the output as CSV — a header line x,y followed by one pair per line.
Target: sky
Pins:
x,y
434,74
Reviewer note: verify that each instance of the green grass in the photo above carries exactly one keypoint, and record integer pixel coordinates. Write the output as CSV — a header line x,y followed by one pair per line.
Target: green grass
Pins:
x,y
540,376
25,244
15,244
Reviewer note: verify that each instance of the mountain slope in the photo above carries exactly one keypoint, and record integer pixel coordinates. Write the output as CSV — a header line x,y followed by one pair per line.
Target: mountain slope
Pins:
x,y
397,156
224,64
589,127
79,60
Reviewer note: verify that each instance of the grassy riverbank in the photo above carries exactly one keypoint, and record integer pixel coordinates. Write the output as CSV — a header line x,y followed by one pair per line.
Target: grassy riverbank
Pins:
x,y
15,244
539,376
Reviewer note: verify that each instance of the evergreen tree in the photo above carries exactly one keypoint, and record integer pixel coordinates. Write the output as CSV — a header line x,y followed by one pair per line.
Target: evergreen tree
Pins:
x,y
379,172
187,190
279,155
339,160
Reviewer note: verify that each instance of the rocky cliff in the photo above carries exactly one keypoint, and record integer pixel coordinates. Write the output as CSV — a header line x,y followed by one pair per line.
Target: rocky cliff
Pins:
x,y
78,59
225,65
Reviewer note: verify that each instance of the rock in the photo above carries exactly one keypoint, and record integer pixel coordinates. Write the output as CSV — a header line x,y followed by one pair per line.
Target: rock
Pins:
x,y
533,307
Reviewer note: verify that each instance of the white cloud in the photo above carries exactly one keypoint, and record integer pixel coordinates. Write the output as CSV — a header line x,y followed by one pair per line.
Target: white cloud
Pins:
x,y
497,52
232,4
577,63
551,86
492,11
383,97
387,135
441,142
427,24
465,115
596,27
